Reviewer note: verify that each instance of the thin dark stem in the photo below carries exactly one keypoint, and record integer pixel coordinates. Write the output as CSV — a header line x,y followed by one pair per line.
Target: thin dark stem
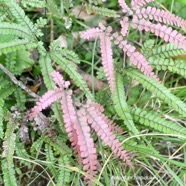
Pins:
x,y
18,83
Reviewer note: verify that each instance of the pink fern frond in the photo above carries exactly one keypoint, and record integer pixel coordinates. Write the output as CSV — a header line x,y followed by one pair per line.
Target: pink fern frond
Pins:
x,y
124,26
85,141
161,16
166,33
58,79
76,125
91,33
106,50
74,142
97,122
45,101
136,4
70,118
136,58
107,61
95,105
125,7
111,124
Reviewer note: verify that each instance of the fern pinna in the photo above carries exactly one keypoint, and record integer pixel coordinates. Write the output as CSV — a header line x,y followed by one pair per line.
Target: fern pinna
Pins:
x,y
78,122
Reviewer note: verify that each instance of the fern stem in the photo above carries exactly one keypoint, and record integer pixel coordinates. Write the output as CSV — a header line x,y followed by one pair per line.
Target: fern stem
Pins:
x,y
20,84
92,66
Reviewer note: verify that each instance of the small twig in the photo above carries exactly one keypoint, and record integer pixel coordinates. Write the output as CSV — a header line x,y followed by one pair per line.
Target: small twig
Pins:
x,y
15,81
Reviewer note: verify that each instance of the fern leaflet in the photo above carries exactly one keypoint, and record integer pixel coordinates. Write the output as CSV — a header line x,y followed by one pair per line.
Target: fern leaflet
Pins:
x,y
50,158
33,3
16,45
19,14
46,70
166,51
6,88
120,105
8,151
20,98
14,29
21,152
176,66
159,90
102,11
154,121
64,174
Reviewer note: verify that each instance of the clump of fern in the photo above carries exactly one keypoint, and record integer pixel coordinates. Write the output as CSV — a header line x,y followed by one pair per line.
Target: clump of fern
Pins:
x,y
132,98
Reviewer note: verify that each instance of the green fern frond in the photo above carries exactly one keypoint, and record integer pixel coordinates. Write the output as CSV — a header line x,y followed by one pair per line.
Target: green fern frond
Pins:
x,y
18,61
70,55
40,22
1,118
21,152
36,145
50,158
102,11
66,53
3,82
176,66
20,98
8,173
3,13
14,29
33,3
147,47
46,70
56,107
10,63
7,155
167,51
156,122
16,45
72,72
61,147
7,38
53,9
6,88
62,176
9,139
19,14
64,173
159,90
121,106
6,92
3,17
